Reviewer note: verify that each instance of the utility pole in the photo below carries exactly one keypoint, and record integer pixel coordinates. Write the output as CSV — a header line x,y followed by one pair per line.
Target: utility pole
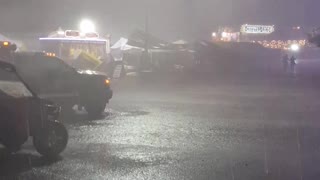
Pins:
x,y
190,17
147,26
145,55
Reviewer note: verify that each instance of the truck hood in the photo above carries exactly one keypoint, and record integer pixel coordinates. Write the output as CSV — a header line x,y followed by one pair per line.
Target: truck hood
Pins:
x,y
90,72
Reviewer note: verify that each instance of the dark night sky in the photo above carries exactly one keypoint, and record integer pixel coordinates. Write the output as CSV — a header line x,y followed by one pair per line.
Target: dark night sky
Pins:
x,y
170,19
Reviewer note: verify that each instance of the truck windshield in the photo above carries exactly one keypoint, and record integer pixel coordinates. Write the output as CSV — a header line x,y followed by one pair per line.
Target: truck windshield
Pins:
x,y
69,50
11,86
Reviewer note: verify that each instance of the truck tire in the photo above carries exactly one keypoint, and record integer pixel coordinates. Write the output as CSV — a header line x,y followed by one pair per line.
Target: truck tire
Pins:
x,y
95,110
52,140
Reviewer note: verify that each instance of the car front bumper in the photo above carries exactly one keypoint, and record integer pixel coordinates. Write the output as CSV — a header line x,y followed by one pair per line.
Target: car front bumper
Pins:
x,y
109,94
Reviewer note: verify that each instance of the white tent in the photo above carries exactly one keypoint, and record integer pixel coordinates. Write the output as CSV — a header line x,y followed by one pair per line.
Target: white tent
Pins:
x,y
122,45
180,42
118,49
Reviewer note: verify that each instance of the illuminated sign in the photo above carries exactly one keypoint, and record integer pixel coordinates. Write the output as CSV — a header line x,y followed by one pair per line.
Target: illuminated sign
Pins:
x,y
92,35
77,34
72,33
257,29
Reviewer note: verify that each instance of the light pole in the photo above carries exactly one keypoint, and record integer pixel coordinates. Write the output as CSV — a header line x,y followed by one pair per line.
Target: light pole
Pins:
x,y
144,61
190,15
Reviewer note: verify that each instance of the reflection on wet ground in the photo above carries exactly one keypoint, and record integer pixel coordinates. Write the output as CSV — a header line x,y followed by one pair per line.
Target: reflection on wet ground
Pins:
x,y
17,163
194,130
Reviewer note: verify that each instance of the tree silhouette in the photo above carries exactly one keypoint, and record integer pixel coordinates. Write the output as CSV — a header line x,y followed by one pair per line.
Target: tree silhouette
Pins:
x,y
314,37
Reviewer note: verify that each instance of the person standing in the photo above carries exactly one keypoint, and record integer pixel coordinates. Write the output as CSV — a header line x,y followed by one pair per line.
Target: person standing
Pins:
x,y
292,63
285,63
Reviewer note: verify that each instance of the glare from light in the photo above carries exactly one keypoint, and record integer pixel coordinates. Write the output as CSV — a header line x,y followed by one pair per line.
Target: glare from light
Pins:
x,y
87,26
295,47
61,33
214,34
224,34
82,34
89,72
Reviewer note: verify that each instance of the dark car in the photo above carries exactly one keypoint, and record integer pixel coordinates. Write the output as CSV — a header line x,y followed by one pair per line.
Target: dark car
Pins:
x,y
53,79
24,114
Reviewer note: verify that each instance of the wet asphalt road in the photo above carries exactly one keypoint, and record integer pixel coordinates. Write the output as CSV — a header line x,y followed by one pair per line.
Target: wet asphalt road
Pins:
x,y
239,130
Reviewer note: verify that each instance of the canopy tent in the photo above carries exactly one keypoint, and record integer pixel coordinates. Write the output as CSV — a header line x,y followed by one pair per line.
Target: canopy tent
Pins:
x,y
138,39
122,45
180,42
181,45
162,55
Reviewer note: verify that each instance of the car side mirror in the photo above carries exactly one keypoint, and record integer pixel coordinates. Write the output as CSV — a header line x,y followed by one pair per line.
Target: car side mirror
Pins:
x,y
13,47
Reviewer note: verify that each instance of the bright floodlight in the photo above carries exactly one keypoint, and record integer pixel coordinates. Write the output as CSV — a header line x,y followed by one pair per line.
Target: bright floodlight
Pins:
x,y
295,47
224,34
61,33
87,26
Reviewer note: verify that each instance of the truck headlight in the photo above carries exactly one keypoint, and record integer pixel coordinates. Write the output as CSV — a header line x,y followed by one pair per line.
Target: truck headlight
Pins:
x,y
107,82
295,47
